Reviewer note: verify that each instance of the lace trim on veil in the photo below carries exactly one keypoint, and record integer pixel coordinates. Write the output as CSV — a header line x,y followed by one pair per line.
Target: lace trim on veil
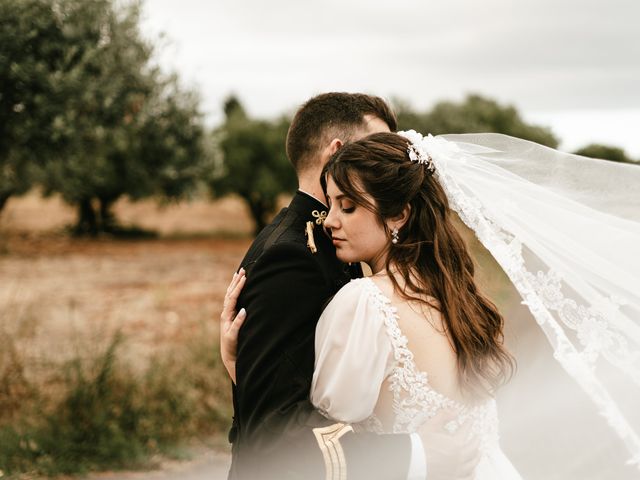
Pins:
x,y
542,293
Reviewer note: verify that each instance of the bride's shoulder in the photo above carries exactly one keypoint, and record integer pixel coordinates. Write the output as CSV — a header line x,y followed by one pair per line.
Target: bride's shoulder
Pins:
x,y
359,289
355,308
356,285
387,289
355,293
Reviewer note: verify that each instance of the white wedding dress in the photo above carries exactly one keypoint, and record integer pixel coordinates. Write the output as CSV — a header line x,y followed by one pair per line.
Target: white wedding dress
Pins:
x,y
365,375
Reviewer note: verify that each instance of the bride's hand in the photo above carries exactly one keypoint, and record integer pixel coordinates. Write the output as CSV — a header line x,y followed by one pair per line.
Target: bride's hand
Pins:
x,y
450,455
230,323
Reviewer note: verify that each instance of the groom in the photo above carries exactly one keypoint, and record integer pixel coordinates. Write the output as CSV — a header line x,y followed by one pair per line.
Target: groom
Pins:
x,y
291,273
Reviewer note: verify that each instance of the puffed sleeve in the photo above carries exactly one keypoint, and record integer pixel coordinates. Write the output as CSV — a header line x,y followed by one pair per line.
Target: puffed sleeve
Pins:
x,y
353,354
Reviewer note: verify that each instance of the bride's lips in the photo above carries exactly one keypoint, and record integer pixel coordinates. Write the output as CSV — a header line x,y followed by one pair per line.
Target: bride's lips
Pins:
x,y
337,240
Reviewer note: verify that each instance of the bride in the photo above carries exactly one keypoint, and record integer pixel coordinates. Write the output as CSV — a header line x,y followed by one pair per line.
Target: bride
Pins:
x,y
416,342
416,339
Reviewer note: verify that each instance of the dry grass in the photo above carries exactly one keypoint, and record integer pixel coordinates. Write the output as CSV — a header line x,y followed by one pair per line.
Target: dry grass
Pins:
x,y
59,294
155,291
63,302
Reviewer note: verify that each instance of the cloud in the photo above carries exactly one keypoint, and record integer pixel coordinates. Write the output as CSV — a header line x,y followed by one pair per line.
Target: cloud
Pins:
x,y
541,55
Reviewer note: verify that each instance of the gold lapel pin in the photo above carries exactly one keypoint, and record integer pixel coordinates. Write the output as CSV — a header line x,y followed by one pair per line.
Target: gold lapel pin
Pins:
x,y
311,242
319,216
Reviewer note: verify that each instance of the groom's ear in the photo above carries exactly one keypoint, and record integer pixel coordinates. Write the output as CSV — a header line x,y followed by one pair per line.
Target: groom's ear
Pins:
x,y
334,146
330,149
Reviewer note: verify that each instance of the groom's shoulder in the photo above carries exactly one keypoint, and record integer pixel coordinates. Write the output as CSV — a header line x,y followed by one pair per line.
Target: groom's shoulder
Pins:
x,y
284,235
287,228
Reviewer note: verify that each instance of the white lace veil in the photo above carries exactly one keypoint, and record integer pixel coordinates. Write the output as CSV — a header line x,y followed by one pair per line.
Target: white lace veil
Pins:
x,y
566,231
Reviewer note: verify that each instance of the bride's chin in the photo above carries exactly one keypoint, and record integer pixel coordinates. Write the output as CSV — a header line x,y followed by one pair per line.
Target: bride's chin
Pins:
x,y
346,258
343,258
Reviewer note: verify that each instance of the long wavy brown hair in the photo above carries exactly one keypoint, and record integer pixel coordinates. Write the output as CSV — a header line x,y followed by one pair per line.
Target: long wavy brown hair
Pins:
x,y
431,255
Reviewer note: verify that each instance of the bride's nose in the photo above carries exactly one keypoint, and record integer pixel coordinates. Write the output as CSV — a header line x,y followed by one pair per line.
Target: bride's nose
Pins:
x,y
331,221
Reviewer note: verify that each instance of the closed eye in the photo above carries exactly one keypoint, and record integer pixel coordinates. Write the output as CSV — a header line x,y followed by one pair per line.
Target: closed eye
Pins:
x,y
347,205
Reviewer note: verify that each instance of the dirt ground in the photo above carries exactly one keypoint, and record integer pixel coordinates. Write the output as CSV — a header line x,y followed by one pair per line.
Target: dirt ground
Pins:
x,y
56,288
155,291
207,465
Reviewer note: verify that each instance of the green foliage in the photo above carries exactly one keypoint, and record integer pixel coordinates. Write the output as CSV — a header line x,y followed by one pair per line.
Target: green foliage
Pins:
x,y
31,56
129,131
605,152
252,161
110,123
109,416
475,114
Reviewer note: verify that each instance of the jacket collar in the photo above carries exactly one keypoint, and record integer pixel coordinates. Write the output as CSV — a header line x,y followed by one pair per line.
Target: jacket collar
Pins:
x,y
313,210
309,208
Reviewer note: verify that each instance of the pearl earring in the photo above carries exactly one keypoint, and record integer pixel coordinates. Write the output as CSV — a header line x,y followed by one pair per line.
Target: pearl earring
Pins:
x,y
394,236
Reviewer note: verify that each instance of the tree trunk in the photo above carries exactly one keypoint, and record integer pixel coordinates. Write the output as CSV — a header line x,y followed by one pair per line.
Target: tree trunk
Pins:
x,y
108,221
87,220
259,211
4,196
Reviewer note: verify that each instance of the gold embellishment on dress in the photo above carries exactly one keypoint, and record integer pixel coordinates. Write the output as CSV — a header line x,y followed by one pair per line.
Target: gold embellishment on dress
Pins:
x,y
311,242
329,442
319,216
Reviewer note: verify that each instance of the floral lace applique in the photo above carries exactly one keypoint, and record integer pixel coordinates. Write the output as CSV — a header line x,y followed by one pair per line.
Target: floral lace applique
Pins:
x,y
414,400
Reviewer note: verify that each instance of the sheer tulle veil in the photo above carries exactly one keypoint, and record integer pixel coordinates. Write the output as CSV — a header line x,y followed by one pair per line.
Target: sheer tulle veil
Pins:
x,y
565,230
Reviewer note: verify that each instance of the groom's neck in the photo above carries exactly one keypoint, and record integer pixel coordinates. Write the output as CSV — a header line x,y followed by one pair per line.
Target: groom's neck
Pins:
x,y
310,184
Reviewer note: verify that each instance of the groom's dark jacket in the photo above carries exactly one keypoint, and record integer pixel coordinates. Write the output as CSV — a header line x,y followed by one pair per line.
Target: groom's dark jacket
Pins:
x,y
275,427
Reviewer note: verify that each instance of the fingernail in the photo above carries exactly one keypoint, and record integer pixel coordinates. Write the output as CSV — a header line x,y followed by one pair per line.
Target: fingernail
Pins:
x,y
242,312
241,271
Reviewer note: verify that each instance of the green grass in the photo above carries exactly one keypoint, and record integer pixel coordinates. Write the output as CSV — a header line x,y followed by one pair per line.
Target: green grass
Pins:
x,y
107,415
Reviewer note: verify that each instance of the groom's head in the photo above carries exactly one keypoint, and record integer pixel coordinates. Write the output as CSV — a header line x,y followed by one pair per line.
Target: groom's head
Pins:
x,y
328,121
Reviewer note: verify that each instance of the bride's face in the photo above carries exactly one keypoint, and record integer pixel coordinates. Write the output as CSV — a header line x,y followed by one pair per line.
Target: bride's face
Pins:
x,y
355,230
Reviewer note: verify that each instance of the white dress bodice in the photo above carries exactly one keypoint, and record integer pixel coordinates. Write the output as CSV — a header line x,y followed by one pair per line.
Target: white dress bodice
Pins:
x,y
415,401
361,350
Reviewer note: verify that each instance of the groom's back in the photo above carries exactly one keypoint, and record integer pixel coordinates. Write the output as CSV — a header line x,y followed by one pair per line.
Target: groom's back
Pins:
x,y
287,286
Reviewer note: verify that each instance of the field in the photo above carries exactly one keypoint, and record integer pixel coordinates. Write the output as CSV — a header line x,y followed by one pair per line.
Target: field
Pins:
x,y
155,291
65,301
87,326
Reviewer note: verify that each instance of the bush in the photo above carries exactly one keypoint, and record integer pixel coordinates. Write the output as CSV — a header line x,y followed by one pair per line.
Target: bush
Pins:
x,y
110,416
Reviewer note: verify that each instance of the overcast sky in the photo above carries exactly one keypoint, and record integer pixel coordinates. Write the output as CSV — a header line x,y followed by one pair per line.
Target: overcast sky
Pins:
x,y
570,64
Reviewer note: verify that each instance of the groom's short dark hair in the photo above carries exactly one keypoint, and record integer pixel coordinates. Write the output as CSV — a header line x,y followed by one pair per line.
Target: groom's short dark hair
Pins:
x,y
331,115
